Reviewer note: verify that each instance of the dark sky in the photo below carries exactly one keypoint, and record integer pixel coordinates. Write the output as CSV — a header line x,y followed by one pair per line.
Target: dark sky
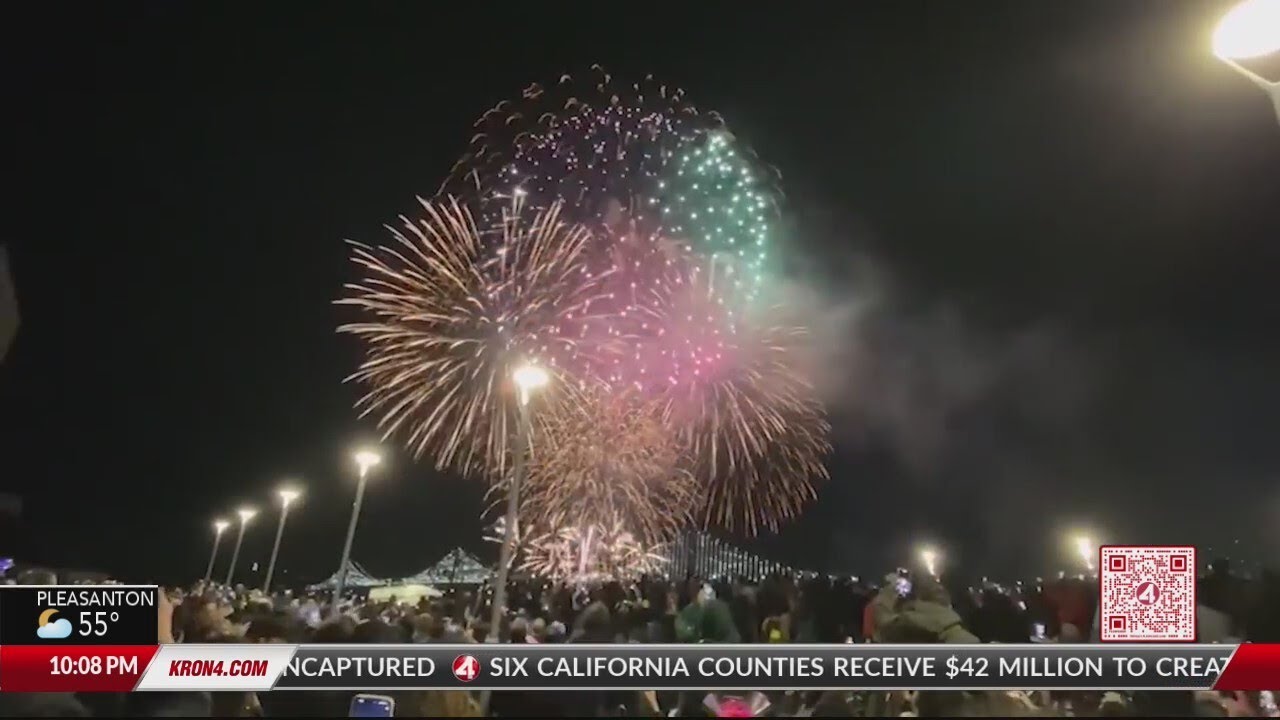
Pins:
x,y
1039,239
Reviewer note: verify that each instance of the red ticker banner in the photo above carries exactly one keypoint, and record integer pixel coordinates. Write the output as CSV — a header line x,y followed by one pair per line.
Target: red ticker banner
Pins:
x,y
651,667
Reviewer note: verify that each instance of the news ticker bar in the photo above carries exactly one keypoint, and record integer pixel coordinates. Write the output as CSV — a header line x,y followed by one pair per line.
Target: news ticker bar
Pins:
x,y
117,668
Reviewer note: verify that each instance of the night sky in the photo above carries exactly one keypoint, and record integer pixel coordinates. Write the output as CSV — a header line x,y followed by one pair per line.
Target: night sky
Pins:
x,y
1038,241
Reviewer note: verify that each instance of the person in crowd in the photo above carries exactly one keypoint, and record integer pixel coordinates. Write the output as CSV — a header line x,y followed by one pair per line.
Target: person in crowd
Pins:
x,y
921,614
439,704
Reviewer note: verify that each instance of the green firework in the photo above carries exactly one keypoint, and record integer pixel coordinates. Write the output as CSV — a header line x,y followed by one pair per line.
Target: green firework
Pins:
x,y
719,199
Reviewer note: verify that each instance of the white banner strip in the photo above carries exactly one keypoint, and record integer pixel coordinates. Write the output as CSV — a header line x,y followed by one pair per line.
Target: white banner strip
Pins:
x,y
216,667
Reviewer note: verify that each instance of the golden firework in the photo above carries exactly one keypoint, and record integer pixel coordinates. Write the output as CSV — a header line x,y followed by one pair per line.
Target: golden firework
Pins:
x,y
450,309
605,458
593,552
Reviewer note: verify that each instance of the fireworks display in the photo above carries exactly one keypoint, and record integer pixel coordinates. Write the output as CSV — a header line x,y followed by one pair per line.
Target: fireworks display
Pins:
x,y
601,550
634,269
738,396
594,552
622,238
606,484
722,201
444,326
588,140
604,148
609,460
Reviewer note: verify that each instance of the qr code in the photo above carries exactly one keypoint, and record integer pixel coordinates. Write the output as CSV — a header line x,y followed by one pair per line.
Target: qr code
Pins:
x,y
1148,593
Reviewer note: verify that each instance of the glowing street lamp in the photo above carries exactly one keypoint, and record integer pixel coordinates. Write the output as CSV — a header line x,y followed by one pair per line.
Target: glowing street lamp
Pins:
x,y
365,460
1250,30
246,514
1084,546
930,558
219,527
287,496
528,378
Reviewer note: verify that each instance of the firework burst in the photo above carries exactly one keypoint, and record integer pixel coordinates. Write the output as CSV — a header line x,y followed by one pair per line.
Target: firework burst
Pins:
x,y
587,139
608,459
722,201
635,284
591,552
445,322
735,389
600,144
730,385
759,435
606,484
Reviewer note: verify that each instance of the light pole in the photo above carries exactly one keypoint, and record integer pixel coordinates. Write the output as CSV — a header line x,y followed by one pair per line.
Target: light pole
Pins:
x,y
528,378
365,459
287,496
246,514
1250,30
1084,546
930,558
219,526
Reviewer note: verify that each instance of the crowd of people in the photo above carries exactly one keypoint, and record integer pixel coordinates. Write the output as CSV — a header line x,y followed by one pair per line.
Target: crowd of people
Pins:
x,y
691,610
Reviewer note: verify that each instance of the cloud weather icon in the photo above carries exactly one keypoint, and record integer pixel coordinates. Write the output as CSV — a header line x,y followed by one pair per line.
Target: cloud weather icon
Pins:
x,y
50,629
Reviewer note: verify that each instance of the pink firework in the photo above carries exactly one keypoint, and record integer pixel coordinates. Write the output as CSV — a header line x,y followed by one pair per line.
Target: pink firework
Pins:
x,y
734,388
588,140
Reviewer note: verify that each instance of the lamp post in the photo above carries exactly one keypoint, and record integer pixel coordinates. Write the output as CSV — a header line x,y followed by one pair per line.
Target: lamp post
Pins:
x,y
1084,546
930,558
1250,30
287,496
365,460
528,378
219,526
246,514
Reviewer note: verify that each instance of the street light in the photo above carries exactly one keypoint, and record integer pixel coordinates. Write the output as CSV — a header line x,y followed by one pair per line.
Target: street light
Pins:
x,y
528,378
1250,30
930,558
1084,546
246,514
287,496
365,460
219,526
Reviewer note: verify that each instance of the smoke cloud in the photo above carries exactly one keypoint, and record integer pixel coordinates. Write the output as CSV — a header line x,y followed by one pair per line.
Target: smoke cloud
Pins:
x,y
921,377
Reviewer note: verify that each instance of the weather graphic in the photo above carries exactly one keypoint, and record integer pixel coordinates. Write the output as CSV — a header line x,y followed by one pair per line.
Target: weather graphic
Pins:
x,y
50,629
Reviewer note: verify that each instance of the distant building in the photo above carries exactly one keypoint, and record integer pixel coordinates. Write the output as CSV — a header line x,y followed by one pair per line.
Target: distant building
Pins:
x,y
8,305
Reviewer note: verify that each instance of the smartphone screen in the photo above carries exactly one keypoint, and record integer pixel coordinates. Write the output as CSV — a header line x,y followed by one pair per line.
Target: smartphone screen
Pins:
x,y
904,586
371,706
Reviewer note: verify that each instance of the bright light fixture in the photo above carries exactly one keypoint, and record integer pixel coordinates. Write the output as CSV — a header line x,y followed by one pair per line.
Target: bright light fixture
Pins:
x,y
367,459
1251,29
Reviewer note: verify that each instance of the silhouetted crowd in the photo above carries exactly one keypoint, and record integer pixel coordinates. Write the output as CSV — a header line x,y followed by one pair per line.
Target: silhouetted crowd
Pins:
x,y
903,608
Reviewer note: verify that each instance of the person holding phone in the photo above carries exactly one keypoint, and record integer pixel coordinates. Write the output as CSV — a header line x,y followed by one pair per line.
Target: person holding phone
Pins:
x,y
919,611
